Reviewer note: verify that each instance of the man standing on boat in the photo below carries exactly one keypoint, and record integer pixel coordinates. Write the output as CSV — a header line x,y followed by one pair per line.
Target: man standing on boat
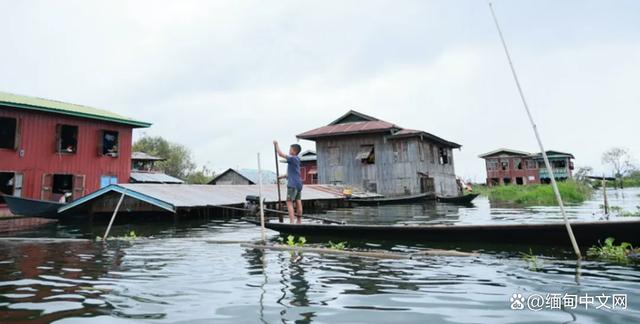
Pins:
x,y
294,180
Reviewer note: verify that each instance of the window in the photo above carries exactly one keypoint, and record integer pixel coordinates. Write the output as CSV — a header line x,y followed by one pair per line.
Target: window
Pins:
x,y
559,164
531,164
518,163
67,136
62,183
7,184
443,154
8,127
106,180
400,151
504,164
334,156
367,154
492,165
519,181
109,143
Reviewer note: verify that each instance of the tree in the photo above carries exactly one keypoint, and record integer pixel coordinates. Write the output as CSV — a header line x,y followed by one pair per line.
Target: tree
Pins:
x,y
582,173
619,159
202,176
178,161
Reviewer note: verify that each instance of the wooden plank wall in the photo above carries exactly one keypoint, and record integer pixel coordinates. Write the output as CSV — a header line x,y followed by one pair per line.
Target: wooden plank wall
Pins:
x,y
387,176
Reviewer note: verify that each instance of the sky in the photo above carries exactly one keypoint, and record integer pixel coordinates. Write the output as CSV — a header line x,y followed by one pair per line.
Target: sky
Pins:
x,y
225,78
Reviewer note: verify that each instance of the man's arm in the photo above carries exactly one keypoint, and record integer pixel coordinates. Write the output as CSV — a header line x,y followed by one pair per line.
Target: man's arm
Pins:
x,y
278,151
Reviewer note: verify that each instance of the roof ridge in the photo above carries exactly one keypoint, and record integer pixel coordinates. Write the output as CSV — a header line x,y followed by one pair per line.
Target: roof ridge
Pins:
x,y
67,108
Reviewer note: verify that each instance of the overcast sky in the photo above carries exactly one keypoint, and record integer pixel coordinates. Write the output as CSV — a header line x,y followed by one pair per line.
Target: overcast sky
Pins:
x,y
226,77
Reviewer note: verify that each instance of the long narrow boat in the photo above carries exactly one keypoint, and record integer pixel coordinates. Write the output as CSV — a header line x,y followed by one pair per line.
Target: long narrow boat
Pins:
x,y
32,207
587,233
464,199
390,200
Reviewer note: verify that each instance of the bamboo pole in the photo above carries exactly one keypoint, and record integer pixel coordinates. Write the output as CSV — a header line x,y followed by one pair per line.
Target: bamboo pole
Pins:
x,y
275,151
364,254
556,191
262,230
113,217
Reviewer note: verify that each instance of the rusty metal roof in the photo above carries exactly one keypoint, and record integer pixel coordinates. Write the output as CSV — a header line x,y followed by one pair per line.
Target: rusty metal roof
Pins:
x,y
413,132
360,127
353,123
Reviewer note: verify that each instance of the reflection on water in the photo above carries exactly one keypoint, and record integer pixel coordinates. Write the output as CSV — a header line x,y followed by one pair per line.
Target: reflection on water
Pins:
x,y
174,275
483,211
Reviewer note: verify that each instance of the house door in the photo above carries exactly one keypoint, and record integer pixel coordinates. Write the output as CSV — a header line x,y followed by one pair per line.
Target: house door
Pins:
x,y
369,177
427,185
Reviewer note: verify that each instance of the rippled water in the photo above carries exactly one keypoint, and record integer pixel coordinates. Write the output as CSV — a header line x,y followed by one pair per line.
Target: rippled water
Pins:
x,y
175,275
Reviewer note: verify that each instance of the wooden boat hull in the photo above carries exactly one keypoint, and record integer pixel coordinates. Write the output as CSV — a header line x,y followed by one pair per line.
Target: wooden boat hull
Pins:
x,y
390,200
32,207
587,233
458,200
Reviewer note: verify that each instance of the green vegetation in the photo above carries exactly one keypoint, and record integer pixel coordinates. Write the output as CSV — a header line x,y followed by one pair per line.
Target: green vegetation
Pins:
x,y
531,260
538,194
127,237
622,253
337,246
621,212
291,241
178,159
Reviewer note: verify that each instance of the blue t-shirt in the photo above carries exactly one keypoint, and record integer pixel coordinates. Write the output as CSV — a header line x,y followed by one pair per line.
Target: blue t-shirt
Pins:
x,y
293,172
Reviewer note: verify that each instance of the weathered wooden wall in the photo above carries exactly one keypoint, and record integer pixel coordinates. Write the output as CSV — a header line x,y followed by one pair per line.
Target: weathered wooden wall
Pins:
x,y
386,176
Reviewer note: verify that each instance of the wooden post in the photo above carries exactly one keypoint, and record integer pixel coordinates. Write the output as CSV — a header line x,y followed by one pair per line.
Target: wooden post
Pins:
x,y
262,230
606,200
275,151
115,212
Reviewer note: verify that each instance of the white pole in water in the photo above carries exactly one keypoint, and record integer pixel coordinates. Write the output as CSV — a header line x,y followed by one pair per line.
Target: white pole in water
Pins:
x,y
115,211
261,201
556,191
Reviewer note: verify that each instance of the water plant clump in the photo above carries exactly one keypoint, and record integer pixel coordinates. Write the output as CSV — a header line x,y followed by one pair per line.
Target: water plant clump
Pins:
x,y
539,194
531,259
337,246
130,236
291,241
622,253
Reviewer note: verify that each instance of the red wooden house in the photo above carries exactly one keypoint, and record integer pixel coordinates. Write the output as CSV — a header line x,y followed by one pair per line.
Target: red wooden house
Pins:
x,y
50,148
309,167
507,166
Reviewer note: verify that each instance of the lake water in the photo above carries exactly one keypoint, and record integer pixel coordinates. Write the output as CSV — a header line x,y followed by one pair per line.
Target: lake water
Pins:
x,y
174,275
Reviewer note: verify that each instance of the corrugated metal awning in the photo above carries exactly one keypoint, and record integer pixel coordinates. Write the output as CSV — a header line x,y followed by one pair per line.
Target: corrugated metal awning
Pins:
x,y
172,197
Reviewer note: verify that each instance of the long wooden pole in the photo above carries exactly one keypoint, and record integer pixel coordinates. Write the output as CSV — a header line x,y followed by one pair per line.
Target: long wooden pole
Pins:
x,y
113,217
275,151
262,230
556,191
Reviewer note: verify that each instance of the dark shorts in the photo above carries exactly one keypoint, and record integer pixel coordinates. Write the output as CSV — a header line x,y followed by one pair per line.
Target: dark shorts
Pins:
x,y
293,194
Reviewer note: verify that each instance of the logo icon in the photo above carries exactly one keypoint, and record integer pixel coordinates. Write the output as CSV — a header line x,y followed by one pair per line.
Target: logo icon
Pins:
x,y
517,301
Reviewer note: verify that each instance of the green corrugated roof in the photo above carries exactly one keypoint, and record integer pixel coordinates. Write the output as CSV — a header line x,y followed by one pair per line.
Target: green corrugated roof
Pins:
x,y
58,107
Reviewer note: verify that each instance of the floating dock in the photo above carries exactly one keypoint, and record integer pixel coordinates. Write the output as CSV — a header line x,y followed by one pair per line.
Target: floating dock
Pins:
x,y
184,199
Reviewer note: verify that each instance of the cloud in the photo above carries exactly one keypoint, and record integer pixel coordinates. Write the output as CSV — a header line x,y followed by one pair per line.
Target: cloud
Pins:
x,y
227,77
